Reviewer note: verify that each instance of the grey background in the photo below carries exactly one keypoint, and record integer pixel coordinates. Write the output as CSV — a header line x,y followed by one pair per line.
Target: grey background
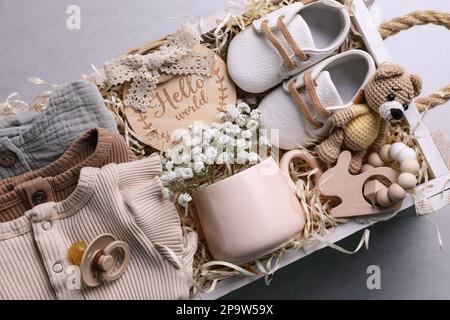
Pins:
x,y
34,41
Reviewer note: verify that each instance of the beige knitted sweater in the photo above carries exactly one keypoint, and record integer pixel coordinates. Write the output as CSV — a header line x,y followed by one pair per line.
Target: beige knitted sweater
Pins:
x,y
122,199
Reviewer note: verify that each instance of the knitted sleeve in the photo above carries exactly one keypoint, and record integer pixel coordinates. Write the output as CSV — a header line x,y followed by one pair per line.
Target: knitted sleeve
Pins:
x,y
341,118
157,217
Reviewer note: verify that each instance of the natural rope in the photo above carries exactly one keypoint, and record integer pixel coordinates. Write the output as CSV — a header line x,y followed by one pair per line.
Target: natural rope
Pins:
x,y
435,99
417,18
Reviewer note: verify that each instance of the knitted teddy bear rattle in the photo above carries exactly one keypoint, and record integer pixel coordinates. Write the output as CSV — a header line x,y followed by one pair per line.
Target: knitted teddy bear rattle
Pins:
x,y
364,126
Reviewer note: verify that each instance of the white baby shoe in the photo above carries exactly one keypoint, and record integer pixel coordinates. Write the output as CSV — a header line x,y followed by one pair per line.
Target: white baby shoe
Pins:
x,y
301,107
286,42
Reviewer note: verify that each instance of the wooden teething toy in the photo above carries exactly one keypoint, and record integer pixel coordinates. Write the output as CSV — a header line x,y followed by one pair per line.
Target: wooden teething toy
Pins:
x,y
338,182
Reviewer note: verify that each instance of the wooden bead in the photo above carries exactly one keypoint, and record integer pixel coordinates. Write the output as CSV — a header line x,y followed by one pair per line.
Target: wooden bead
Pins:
x,y
384,153
383,198
375,160
407,180
395,149
410,165
396,192
407,153
76,252
371,189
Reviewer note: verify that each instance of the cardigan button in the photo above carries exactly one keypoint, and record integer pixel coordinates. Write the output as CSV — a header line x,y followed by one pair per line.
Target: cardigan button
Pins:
x,y
46,225
8,159
38,197
58,267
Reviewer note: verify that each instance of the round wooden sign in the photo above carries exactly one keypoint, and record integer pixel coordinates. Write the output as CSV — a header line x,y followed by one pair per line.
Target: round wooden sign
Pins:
x,y
181,101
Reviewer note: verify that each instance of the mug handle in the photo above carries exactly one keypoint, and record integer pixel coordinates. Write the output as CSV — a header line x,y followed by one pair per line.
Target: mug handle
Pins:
x,y
305,156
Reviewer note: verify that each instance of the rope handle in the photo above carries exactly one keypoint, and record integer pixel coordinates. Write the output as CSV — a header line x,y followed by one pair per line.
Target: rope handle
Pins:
x,y
418,18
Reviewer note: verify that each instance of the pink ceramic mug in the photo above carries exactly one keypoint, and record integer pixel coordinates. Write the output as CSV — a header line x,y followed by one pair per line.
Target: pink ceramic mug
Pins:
x,y
254,212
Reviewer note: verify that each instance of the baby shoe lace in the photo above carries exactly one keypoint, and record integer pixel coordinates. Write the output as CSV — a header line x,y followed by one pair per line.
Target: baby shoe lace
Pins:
x,y
317,104
288,61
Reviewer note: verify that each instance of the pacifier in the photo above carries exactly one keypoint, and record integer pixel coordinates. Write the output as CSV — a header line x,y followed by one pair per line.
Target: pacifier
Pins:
x,y
105,259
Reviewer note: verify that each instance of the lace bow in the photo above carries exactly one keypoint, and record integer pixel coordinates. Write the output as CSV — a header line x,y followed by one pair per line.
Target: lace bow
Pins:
x,y
177,57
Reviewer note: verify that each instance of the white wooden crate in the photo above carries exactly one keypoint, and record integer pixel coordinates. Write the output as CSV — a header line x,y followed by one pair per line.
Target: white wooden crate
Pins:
x,y
435,192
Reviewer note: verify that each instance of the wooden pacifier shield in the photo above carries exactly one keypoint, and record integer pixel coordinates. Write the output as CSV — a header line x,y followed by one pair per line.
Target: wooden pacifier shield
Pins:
x,y
180,101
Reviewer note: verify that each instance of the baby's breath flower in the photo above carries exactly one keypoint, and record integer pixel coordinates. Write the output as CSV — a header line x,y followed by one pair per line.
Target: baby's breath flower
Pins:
x,y
241,143
169,177
184,173
187,141
196,151
255,114
177,135
253,157
233,130
226,142
241,120
199,166
210,155
167,155
247,134
232,112
169,165
211,152
226,125
177,150
242,157
243,107
252,124
197,129
167,193
225,158
221,116
197,140
223,140
184,199
199,158
185,158
176,159
209,134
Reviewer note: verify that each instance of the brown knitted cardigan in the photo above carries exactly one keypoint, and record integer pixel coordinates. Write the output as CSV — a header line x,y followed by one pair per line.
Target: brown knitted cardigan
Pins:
x,y
55,182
